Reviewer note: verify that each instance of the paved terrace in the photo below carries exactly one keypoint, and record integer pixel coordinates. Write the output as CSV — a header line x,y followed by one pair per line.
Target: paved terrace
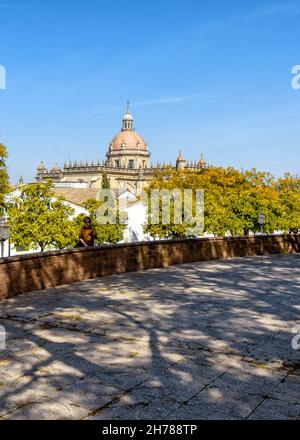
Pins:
x,y
198,341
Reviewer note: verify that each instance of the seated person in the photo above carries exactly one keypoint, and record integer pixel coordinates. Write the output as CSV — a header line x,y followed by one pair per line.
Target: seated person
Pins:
x,y
88,234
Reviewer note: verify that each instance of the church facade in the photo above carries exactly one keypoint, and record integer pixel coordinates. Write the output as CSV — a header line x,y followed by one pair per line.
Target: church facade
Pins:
x,y
127,165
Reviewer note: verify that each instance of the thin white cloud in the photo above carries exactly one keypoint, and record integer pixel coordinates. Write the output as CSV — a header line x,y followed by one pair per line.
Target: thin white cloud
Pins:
x,y
282,8
183,98
165,100
289,9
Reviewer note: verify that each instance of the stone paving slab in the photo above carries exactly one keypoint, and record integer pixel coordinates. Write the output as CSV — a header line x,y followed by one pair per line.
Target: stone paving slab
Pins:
x,y
209,340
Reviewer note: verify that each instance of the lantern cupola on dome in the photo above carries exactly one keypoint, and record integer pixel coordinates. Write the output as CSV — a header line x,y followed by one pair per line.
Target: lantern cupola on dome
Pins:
x,y
128,121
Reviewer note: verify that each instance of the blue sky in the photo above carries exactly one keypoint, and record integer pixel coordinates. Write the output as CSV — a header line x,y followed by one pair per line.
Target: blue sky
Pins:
x,y
210,77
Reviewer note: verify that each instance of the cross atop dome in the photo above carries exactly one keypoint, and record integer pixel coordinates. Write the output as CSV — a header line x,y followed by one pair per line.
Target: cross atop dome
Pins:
x,y
128,120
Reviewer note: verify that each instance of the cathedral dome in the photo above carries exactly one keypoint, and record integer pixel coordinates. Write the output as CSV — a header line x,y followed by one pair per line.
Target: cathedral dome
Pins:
x,y
128,140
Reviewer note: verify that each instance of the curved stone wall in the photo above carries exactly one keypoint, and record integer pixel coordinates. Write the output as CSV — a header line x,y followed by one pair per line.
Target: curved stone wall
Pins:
x,y
51,269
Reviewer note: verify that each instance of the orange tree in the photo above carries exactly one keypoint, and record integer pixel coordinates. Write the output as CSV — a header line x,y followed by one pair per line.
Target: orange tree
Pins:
x,y
289,195
38,220
233,200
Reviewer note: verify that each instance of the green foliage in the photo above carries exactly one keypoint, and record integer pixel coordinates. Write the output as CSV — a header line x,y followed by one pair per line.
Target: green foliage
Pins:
x,y
91,205
289,193
36,221
110,233
4,179
233,201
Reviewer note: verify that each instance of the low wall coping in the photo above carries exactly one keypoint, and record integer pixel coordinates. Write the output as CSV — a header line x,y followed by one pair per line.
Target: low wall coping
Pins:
x,y
46,254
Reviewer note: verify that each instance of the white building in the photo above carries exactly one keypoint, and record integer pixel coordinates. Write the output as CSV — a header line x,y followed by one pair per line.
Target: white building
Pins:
x,y
75,196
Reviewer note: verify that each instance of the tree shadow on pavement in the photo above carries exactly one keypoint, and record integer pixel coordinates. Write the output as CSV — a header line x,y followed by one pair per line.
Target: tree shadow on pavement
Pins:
x,y
196,341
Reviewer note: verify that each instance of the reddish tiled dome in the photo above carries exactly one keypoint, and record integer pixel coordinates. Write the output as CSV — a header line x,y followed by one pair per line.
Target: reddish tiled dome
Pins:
x,y
128,140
